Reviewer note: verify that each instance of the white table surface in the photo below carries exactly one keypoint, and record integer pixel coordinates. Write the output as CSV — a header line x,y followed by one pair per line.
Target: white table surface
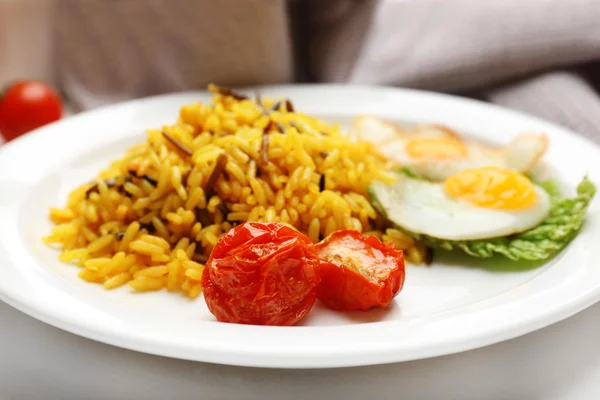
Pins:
x,y
41,362
559,362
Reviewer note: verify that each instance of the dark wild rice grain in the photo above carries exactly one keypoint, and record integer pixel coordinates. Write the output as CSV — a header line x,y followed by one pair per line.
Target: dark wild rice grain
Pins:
x,y
231,93
94,188
177,145
150,180
428,255
275,106
289,106
216,173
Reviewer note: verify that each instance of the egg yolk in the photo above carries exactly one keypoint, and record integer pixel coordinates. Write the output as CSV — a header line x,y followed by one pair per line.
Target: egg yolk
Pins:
x,y
435,147
492,187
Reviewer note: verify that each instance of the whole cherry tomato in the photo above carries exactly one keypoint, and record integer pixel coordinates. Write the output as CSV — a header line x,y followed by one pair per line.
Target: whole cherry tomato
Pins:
x,y
261,274
27,105
358,272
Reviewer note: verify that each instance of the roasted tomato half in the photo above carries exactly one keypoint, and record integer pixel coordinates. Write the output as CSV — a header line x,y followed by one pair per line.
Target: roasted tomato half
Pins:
x,y
358,272
261,274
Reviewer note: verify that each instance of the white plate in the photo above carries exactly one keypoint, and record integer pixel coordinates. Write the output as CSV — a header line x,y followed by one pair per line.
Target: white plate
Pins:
x,y
453,306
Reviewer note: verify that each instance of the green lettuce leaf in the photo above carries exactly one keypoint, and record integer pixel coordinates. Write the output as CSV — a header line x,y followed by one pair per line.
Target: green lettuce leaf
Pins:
x,y
555,232
408,172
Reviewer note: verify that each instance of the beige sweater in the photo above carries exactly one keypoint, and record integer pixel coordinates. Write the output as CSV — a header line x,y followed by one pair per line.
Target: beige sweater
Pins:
x,y
532,55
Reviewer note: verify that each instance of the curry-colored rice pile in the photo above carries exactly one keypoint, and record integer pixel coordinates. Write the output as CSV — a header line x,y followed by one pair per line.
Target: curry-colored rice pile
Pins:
x,y
152,218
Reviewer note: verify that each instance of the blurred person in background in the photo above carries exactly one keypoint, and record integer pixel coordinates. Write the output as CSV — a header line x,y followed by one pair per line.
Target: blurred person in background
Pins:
x,y
538,56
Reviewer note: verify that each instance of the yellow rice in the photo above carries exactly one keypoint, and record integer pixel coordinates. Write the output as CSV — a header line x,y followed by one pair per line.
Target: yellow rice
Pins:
x,y
150,221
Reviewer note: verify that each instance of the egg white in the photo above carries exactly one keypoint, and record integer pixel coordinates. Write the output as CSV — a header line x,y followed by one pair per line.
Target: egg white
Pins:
x,y
423,207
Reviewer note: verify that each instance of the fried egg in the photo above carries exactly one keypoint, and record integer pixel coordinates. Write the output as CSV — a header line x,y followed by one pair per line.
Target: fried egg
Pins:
x,y
435,152
476,203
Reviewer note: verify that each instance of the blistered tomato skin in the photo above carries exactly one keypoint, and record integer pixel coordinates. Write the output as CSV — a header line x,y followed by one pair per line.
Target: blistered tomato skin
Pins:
x,y
261,274
358,272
